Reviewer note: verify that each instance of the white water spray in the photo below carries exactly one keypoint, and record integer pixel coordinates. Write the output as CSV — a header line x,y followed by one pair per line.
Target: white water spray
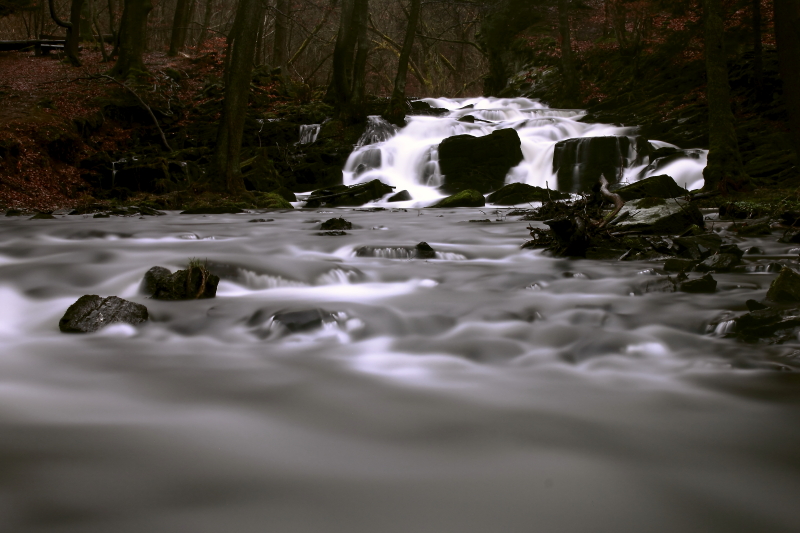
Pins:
x,y
408,159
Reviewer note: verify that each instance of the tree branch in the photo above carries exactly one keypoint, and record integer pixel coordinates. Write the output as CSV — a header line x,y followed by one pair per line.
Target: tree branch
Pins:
x,y
55,18
614,197
149,110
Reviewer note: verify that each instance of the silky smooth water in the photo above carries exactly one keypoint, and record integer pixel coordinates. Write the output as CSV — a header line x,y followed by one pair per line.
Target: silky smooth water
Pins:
x,y
408,159
492,389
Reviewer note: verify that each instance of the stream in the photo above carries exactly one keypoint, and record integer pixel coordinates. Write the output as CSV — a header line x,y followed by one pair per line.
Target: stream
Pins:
x,y
489,389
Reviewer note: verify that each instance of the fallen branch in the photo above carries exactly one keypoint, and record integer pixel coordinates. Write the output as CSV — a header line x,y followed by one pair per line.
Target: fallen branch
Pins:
x,y
149,110
619,203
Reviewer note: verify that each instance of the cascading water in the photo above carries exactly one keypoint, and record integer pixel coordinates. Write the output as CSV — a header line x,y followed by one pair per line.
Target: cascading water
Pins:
x,y
408,159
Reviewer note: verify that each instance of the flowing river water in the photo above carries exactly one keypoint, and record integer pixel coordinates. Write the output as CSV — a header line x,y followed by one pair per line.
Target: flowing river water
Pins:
x,y
489,389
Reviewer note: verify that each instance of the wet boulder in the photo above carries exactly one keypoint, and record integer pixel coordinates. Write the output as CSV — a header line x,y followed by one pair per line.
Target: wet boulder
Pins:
x,y
766,323
658,216
353,195
698,247
423,250
42,216
402,196
786,287
653,187
418,107
578,163
91,312
467,198
478,163
679,264
718,263
706,284
193,283
521,193
306,320
336,224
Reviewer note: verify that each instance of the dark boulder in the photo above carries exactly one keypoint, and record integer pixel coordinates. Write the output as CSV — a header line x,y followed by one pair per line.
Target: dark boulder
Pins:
x,y
423,250
578,163
91,312
418,107
402,196
706,284
766,323
42,216
698,247
354,195
336,224
786,287
467,198
718,263
479,163
194,283
521,193
653,187
679,264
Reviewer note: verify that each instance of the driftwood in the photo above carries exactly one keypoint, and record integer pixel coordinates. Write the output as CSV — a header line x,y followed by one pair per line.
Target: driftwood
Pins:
x,y
619,203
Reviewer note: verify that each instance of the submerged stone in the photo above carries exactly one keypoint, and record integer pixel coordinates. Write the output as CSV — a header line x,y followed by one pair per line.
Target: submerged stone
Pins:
x,y
468,198
91,312
520,193
305,320
706,284
193,283
343,195
336,224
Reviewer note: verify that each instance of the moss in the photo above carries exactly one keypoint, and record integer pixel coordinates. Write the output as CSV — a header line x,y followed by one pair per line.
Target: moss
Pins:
x,y
468,198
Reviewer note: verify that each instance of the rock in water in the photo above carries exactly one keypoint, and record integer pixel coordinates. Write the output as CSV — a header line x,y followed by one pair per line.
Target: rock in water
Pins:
x,y
706,284
580,162
213,210
194,283
336,224
658,216
479,163
402,196
786,287
306,320
662,186
520,193
91,312
424,251
468,198
349,195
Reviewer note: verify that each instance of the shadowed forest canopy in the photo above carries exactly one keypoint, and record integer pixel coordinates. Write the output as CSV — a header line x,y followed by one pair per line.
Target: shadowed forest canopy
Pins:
x,y
656,64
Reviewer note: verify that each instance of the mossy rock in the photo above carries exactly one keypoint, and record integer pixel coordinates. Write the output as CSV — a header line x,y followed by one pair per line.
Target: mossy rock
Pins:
x,y
662,186
468,198
271,200
786,287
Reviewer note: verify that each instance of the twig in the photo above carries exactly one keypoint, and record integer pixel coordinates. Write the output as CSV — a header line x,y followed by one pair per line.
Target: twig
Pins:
x,y
152,115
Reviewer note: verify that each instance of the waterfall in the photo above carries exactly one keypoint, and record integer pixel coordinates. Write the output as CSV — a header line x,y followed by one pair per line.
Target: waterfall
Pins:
x,y
407,158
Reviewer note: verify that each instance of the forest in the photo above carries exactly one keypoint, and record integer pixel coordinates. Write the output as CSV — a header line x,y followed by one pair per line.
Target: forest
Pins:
x,y
185,86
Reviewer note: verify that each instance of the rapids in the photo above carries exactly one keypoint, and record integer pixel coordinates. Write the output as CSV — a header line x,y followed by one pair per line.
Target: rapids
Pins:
x,y
407,158
490,389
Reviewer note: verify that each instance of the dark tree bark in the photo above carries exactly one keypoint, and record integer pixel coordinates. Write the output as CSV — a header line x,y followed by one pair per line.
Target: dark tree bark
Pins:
x,y
209,9
179,26
226,174
132,38
567,61
396,112
73,28
280,43
724,171
758,51
787,35
346,89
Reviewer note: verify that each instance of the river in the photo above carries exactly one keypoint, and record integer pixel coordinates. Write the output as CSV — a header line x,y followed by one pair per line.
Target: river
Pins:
x,y
490,389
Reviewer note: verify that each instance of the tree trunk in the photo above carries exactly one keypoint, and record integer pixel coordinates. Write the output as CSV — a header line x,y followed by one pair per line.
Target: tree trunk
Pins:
x,y
396,113
226,174
73,29
787,36
758,47
357,113
132,38
342,69
179,26
209,9
280,43
724,171
567,61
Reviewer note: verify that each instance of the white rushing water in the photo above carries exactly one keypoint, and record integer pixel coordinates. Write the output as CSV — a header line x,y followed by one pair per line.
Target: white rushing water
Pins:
x,y
408,159
488,389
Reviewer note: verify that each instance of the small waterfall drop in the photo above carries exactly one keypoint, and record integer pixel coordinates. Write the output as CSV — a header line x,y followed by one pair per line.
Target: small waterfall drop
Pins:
x,y
407,158
309,133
